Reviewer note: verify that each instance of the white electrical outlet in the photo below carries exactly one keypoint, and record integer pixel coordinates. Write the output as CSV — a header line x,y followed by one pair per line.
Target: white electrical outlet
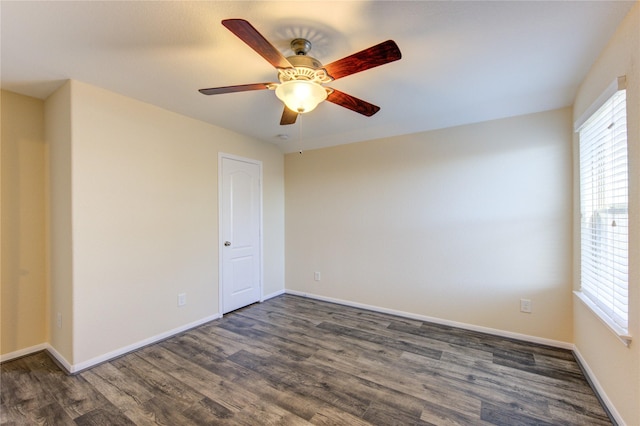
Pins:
x,y
525,305
182,299
316,276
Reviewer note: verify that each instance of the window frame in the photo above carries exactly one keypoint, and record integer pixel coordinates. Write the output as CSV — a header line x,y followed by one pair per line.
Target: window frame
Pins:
x,y
590,299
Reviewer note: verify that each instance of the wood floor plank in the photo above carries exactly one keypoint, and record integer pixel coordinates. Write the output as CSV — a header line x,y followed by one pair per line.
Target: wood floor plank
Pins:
x,y
164,410
301,383
306,333
117,387
379,413
20,389
568,412
297,361
52,414
319,337
159,382
380,340
504,380
207,411
337,418
509,416
481,384
73,393
245,392
478,340
291,348
383,398
405,381
240,340
440,415
104,416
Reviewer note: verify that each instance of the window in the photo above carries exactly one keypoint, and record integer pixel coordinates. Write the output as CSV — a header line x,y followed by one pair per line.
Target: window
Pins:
x,y
604,210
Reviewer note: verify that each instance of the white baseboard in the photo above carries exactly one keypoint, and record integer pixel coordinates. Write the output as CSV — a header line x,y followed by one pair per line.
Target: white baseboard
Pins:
x,y
24,352
465,326
62,361
272,295
76,368
593,381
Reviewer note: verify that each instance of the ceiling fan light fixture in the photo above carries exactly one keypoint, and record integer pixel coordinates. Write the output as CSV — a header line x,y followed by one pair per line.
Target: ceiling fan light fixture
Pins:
x,y
301,96
302,77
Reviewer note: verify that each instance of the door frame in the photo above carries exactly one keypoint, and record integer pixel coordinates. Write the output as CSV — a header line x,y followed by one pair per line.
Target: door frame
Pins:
x,y
221,156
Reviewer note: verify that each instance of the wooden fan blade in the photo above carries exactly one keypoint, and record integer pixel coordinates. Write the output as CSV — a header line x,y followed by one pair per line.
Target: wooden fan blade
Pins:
x,y
288,117
247,33
372,57
233,89
352,103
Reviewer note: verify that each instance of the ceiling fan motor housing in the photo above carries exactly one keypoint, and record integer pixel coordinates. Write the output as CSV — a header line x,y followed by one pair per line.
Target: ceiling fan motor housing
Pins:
x,y
305,68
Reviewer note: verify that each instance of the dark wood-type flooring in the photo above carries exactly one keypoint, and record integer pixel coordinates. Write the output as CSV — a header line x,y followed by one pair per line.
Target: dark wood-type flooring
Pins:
x,y
297,361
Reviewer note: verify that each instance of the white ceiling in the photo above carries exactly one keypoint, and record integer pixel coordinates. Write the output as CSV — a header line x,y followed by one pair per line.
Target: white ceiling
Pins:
x,y
463,61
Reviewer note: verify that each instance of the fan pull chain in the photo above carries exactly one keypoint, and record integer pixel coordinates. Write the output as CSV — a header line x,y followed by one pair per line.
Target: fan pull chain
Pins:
x,y
300,134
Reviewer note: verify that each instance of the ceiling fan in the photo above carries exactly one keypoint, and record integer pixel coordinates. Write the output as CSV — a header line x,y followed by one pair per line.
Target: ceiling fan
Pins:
x,y
302,77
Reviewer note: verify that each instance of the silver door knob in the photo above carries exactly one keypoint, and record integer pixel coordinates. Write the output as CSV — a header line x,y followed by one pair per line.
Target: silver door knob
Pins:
x,y
227,243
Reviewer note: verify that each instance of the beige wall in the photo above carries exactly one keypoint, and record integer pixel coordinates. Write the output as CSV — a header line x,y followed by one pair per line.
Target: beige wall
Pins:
x,y
23,212
456,224
616,367
144,219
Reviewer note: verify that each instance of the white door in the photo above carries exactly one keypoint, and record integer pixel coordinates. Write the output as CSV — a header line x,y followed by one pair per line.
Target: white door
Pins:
x,y
240,245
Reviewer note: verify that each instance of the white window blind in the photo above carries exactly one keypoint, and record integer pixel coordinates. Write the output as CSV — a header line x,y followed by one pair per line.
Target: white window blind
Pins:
x,y
604,210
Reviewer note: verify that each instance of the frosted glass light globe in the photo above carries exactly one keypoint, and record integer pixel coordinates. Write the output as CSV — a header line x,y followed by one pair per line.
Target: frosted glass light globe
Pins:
x,y
301,95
